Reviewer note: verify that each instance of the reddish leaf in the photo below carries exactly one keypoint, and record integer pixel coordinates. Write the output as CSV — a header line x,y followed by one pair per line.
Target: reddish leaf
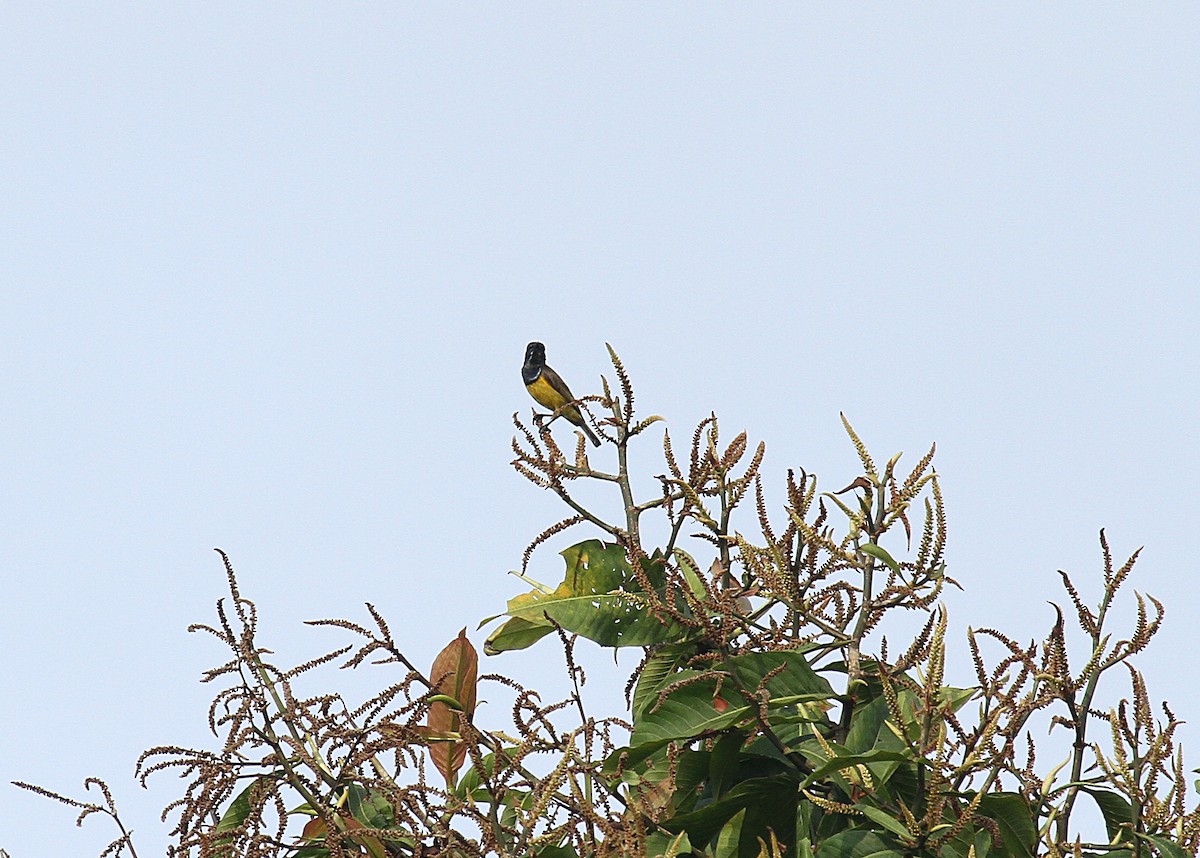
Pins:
x,y
860,483
454,674
314,828
316,831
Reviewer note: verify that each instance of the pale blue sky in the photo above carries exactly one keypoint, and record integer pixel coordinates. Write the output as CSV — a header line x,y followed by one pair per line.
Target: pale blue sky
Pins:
x,y
269,271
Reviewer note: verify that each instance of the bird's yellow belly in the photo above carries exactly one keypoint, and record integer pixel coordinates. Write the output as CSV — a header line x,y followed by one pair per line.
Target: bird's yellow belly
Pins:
x,y
545,394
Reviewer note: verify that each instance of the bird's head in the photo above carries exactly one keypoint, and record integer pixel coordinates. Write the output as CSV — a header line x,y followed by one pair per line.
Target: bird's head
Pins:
x,y
535,354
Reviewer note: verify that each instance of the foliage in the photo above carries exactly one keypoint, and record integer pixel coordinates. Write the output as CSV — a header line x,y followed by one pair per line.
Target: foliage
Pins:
x,y
767,715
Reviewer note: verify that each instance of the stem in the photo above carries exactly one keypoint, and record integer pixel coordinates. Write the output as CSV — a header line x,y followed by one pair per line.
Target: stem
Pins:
x,y
632,512
854,648
573,504
723,526
1080,717
763,726
125,835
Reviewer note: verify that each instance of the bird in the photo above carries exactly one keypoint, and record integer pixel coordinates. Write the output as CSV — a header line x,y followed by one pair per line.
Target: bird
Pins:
x,y
549,390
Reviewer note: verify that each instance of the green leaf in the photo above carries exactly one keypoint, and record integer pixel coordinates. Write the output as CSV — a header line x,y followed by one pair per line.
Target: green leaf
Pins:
x,y
373,811
658,668
723,761
634,755
886,820
673,783
877,551
451,702
731,834
691,572
973,836
235,816
869,732
694,707
600,599
662,845
556,852
1117,813
857,843
827,766
517,633
795,682
768,803
983,843
867,726
806,812
472,783
1165,848
956,698
689,711
1018,833
690,776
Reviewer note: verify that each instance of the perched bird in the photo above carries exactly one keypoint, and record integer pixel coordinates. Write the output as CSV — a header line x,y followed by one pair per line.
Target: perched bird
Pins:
x,y
550,391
